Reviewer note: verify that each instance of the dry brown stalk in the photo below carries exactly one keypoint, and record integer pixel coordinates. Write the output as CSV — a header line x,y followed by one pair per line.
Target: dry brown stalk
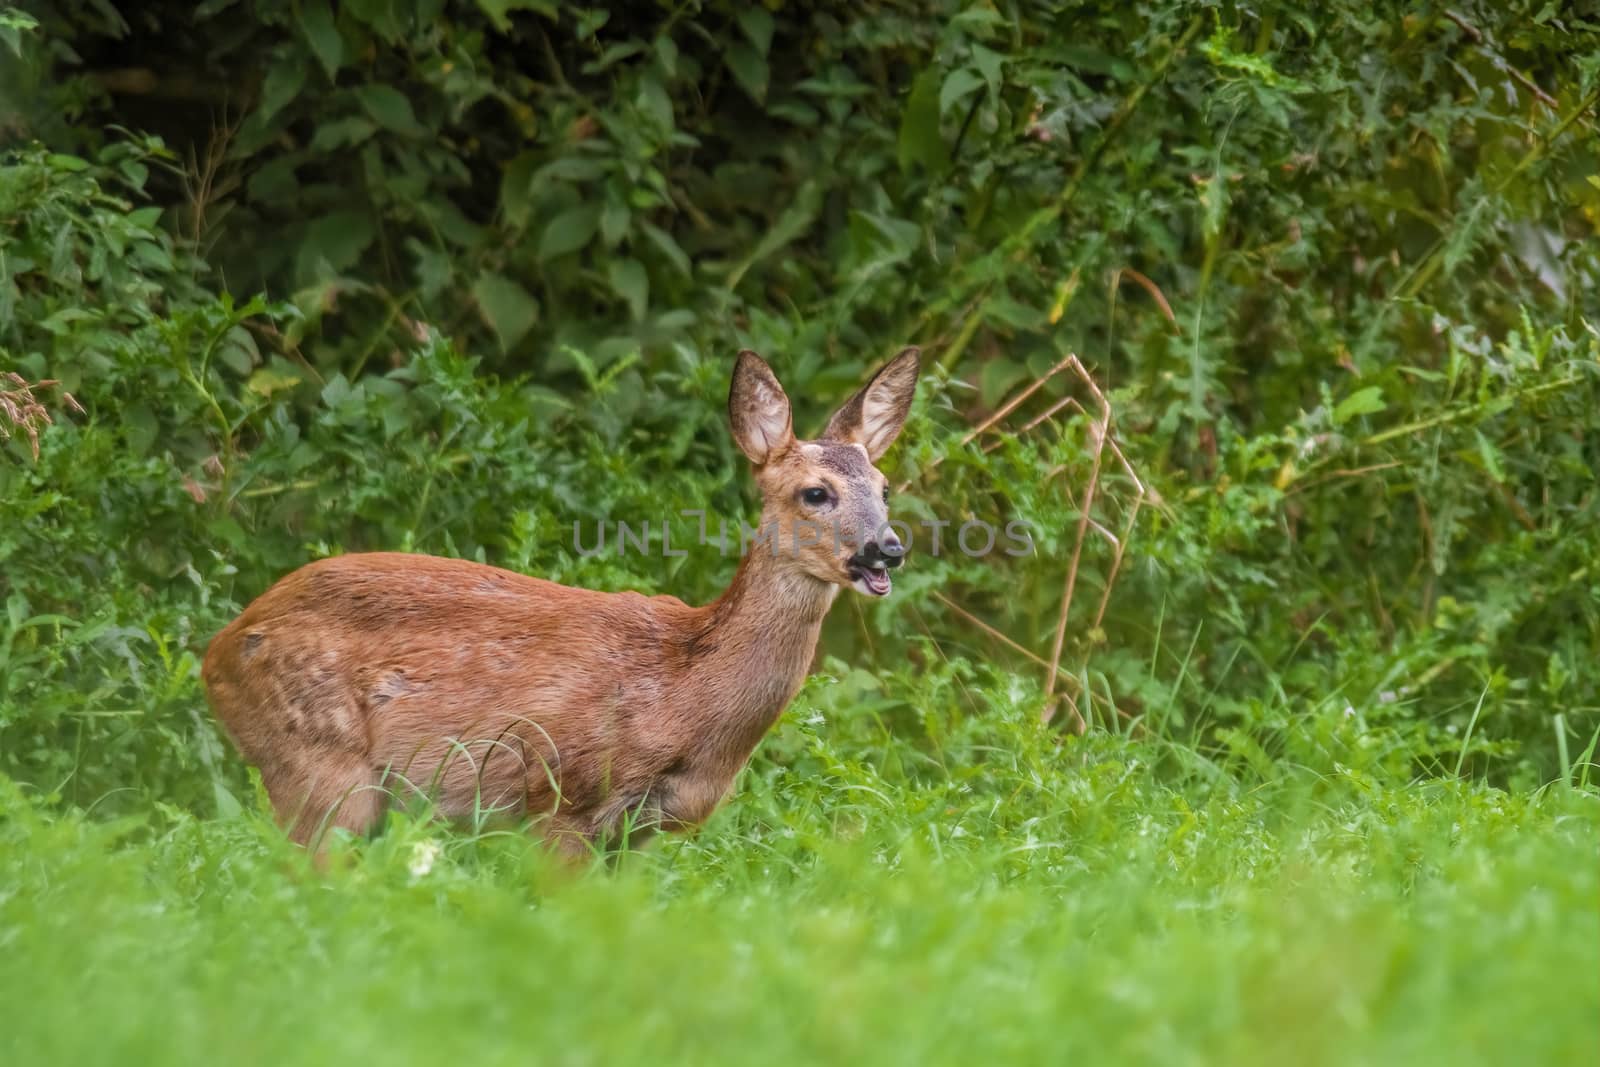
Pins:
x,y
1101,441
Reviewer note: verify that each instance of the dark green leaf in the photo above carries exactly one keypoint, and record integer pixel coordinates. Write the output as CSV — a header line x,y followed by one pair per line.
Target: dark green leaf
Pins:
x,y
506,306
1096,61
667,56
435,270
629,281
614,218
749,69
516,188
322,34
669,248
958,85
237,351
573,169
390,109
614,55
350,130
569,231
654,102
336,241
990,64
998,378
140,428
921,141
757,26
499,10
795,220
282,84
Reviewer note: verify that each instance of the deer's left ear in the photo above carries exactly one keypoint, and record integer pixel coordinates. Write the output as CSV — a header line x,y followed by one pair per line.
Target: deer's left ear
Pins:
x,y
873,417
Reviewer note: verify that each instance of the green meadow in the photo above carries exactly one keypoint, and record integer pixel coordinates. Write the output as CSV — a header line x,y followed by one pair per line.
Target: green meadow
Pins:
x,y
1277,325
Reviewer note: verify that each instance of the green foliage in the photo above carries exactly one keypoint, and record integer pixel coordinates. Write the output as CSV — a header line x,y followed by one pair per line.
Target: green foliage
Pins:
x,y
1357,367
1334,265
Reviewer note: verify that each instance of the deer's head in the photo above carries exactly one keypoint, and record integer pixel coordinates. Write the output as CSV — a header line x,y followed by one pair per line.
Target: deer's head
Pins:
x,y
825,506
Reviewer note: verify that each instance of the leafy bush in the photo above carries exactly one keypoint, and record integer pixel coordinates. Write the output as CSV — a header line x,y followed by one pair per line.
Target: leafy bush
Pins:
x,y
1334,266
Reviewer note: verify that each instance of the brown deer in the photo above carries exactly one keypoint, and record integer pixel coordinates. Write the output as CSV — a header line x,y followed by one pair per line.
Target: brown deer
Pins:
x,y
364,675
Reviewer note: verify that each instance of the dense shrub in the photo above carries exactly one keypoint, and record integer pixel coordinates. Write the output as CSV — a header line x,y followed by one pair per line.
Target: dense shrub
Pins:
x,y
1335,265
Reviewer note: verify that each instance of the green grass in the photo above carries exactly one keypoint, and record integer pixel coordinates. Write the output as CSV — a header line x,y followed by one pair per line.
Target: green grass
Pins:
x,y
1047,902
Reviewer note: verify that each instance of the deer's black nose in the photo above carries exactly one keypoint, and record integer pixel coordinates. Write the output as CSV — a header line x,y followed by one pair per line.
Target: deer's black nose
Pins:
x,y
886,550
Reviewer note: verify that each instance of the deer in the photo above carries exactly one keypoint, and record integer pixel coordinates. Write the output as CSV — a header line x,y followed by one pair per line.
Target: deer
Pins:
x,y
358,679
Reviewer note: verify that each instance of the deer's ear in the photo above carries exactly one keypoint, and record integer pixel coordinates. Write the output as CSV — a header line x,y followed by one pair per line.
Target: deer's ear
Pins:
x,y
873,417
758,410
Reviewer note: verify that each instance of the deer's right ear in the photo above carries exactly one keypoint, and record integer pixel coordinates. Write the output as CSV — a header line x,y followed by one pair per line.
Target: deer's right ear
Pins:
x,y
758,410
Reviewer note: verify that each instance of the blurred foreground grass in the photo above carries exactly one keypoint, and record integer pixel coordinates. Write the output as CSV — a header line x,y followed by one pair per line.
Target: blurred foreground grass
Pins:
x,y
1093,914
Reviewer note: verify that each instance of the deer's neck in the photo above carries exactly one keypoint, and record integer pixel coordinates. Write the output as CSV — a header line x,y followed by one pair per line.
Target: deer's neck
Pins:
x,y
754,647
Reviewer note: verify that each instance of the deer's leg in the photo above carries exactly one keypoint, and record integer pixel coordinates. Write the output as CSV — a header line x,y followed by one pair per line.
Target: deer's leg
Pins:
x,y
578,837
332,791
571,837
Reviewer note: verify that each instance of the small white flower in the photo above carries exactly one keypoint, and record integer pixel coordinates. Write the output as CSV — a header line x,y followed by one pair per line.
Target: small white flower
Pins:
x,y
423,855
1349,711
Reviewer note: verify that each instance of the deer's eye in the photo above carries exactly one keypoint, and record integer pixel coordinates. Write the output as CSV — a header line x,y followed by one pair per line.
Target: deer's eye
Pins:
x,y
814,496
886,494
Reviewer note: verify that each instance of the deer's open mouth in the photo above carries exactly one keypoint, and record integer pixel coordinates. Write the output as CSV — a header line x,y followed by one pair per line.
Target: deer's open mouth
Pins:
x,y
872,580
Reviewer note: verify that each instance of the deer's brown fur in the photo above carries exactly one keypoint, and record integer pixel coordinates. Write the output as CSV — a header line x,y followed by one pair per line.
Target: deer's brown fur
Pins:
x,y
362,675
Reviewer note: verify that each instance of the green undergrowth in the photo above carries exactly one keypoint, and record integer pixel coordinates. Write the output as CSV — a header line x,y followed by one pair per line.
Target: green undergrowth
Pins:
x,y
1087,913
